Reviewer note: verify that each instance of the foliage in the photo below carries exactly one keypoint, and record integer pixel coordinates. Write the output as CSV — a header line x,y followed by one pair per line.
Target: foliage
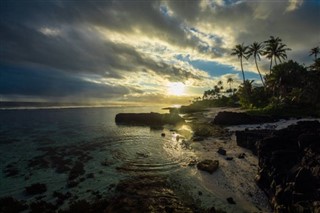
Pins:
x,y
252,97
289,89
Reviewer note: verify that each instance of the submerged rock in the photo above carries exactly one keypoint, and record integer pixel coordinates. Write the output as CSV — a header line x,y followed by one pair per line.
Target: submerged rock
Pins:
x,y
37,188
208,165
147,194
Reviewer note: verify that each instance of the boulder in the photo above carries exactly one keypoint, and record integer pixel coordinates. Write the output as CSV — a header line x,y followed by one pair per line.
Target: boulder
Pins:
x,y
148,119
222,151
237,118
208,165
37,188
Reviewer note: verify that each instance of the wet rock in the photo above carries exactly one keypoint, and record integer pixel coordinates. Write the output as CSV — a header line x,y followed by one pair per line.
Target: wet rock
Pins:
x,y
90,175
72,183
42,207
148,119
237,118
222,151
76,171
37,188
208,165
11,205
242,155
289,167
11,170
146,194
198,139
230,200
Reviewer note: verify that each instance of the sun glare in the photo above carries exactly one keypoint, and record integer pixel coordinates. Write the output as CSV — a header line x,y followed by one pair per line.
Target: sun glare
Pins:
x,y
176,88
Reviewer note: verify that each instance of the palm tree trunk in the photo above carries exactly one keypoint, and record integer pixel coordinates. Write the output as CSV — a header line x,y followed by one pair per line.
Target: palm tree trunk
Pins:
x,y
255,59
244,79
270,65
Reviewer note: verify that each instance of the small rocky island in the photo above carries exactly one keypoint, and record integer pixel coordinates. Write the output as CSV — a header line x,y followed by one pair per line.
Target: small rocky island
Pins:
x,y
148,119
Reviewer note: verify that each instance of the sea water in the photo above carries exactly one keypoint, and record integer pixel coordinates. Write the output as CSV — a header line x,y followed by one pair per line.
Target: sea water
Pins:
x,y
42,145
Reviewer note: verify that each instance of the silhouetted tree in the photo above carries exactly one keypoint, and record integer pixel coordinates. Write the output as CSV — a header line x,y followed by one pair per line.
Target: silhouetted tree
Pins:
x,y
256,50
315,51
275,50
241,51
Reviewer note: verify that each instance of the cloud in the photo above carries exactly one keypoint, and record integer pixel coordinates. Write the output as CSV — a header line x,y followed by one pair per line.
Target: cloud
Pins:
x,y
133,47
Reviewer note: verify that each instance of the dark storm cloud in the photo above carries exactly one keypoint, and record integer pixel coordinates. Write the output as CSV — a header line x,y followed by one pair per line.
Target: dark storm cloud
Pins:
x,y
46,84
79,48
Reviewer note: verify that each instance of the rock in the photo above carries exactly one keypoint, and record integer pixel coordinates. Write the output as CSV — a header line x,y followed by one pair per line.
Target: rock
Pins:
x,y
192,163
199,193
198,139
90,175
237,118
248,139
229,158
148,119
37,188
208,165
42,206
241,155
76,171
11,205
289,167
221,151
163,134
230,200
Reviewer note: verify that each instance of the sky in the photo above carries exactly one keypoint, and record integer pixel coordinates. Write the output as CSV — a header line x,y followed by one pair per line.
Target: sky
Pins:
x,y
139,52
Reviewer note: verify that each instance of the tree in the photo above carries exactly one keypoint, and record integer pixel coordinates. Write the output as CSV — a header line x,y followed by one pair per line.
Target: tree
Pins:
x,y
230,81
256,50
315,51
275,50
241,51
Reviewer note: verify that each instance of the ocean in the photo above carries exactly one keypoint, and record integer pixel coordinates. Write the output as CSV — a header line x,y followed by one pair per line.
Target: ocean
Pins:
x,y
83,152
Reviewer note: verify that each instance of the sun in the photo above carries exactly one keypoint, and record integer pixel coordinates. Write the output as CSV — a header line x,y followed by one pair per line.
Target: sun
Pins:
x,y
176,88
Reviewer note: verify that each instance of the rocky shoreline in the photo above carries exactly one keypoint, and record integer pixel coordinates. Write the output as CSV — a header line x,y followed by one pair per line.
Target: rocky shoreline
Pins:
x,y
289,162
288,170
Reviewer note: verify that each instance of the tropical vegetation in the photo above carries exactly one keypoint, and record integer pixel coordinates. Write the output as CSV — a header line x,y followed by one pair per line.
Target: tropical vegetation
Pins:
x,y
288,87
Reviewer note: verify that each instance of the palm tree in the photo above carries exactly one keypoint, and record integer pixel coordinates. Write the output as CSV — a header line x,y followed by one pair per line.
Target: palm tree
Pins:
x,y
229,81
275,50
315,51
256,49
241,51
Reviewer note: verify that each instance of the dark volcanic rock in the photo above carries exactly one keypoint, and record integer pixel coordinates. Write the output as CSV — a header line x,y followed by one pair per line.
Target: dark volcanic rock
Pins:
x,y
208,165
76,171
147,194
148,119
289,166
37,188
11,205
237,118
230,200
222,151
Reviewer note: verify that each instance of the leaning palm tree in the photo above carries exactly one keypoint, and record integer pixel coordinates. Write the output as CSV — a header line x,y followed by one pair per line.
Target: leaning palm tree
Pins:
x,y
315,51
256,50
241,51
275,50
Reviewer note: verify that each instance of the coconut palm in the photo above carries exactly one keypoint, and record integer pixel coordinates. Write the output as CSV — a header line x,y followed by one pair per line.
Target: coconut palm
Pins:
x,y
230,81
275,50
241,51
256,50
315,51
